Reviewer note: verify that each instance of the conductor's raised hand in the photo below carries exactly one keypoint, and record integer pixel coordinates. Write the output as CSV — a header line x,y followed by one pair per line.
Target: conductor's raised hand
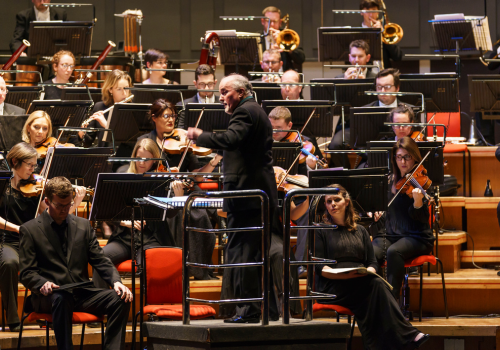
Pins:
x,y
48,288
194,133
123,291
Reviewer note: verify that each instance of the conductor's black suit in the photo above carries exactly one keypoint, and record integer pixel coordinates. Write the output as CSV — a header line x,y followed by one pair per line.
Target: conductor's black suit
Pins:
x,y
247,146
42,259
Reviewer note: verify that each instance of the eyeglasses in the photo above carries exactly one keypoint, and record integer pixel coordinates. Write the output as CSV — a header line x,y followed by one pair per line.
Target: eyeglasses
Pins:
x,y
66,66
384,87
204,86
401,126
30,165
4,90
173,116
406,157
270,63
61,206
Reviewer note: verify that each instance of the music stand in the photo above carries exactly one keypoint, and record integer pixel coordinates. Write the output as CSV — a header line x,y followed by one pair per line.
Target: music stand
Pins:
x,y
484,92
128,121
240,49
22,96
215,118
11,127
4,180
367,188
320,125
80,165
367,124
333,42
266,91
80,93
284,154
433,164
148,93
53,36
440,91
59,111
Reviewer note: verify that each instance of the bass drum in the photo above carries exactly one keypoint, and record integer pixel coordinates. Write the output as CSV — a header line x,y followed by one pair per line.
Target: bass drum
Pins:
x,y
28,79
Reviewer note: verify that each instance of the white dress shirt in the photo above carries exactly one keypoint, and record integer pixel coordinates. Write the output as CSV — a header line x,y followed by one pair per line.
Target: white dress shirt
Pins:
x,y
42,16
209,99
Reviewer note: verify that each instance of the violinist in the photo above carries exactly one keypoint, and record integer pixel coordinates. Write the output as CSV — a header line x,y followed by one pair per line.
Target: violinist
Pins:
x,y
163,116
63,64
36,131
404,114
118,248
155,59
405,231
113,91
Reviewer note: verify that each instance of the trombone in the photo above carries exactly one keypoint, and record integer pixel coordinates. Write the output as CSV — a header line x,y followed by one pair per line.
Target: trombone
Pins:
x,y
288,39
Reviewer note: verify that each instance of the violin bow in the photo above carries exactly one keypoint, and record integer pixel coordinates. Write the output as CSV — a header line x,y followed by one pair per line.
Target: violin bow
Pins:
x,y
305,124
409,178
421,131
190,141
163,145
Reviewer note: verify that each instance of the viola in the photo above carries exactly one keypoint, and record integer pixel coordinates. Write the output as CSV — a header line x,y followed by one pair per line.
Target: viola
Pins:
x,y
44,146
177,142
419,180
291,181
418,136
34,186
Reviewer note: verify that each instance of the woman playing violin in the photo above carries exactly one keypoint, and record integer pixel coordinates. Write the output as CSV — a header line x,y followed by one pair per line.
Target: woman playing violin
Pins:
x,y
113,91
404,114
407,223
36,131
163,115
16,210
63,64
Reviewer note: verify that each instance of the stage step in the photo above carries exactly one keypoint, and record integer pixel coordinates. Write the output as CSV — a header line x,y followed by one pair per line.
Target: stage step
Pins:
x,y
480,256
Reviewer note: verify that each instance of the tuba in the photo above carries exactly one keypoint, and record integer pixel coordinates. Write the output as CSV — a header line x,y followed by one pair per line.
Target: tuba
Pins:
x,y
393,33
209,54
288,39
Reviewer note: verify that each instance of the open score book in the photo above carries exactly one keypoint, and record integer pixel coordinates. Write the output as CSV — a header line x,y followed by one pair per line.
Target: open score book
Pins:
x,y
352,271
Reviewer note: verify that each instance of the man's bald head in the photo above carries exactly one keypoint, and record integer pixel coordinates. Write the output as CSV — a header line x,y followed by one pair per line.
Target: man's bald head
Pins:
x,y
290,92
3,90
290,76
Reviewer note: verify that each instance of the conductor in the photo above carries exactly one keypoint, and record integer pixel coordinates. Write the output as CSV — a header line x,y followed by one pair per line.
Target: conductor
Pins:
x,y
247,147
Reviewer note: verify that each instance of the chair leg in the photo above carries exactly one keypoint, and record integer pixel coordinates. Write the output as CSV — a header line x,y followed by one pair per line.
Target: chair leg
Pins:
x,y
21,332
470,176
465,182
134,329
3,318
102,335
349,342
420,297
83,335
338,316
47,334
444,288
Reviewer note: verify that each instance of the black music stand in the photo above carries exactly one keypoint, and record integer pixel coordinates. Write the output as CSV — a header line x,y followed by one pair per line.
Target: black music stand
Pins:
x,y
484,92
81,94
440,91
22,96
320,125
367,187
80,165
148,93
4,180
433,163
11,127
235,50
128,121
215,118
49,37
367,124
59,111
333,42
285,153
267,91
466,36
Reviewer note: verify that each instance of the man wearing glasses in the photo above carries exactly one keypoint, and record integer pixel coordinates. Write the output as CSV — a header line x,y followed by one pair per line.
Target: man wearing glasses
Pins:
x,y
6,108
204,79
271,62
56,249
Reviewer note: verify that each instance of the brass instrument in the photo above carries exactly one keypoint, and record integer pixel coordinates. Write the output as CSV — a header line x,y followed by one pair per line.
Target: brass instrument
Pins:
x,y
490,55
288,39
393,33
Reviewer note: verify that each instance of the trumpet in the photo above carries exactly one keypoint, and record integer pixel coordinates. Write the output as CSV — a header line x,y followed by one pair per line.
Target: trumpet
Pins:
x,y
86,122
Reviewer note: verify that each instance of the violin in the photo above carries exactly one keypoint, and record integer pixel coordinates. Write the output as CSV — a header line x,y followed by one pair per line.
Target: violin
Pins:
x,y
34,186
307,145
418,179
177,142
291,181
44,146
418,136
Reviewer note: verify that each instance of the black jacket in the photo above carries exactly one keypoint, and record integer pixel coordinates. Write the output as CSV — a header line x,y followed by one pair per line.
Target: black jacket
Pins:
x,y
23,19
291,60
248,161
41,257
9,109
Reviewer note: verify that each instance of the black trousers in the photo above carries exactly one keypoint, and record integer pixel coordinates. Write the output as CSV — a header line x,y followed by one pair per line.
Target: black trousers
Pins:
x,y
245,247
9,268
62,304
398,250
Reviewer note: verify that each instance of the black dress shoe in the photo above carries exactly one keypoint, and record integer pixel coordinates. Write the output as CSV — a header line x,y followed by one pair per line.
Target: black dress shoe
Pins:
x,y
16,327
243,319
422,340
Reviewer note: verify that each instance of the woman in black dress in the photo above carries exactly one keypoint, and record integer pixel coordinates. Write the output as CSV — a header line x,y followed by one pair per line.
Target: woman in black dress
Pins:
x,y
63,64
406,226
380,321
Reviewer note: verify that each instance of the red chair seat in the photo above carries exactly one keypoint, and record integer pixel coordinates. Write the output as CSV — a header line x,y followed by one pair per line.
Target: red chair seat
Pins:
x,y
454,148
420,260
209,186
125,266
78,317
174,312
340,309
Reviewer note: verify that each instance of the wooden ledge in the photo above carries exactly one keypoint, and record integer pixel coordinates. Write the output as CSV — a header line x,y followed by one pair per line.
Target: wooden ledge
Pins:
x,y
452,238
462,279
480,256
481,202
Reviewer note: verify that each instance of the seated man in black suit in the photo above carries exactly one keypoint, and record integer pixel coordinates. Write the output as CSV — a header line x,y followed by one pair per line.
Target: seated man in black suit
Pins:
x,y
204,79
271,62
6,108
359,53
39,12
56,249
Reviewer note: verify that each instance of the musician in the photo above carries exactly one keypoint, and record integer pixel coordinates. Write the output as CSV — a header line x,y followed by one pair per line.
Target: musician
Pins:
x,y
271,62
56,249
247,146
113,91
204,79
7,108
39,12
370,20
359,53
380,321
63,64
163,115
406,225
155,59
402,114
292,59
36,130
290,92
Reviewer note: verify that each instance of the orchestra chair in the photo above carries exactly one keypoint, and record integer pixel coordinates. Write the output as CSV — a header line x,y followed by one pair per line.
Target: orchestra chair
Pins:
x,y
339,310
461,148
419,262
78,318
162,286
